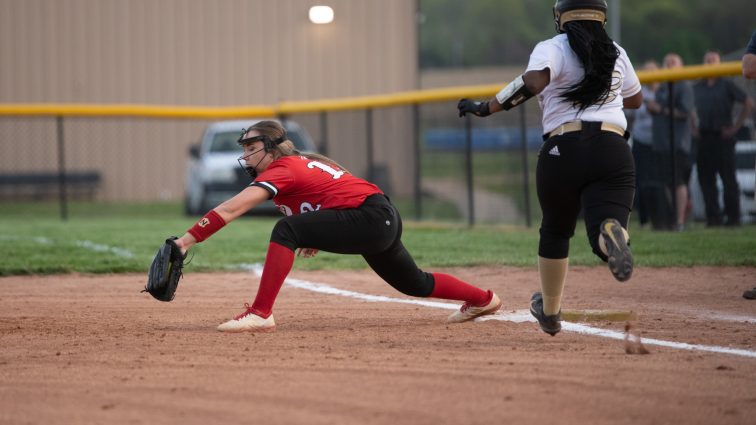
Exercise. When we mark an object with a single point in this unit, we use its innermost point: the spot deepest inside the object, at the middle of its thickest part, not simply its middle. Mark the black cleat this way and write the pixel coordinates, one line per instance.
(550, 324)
(620, 258)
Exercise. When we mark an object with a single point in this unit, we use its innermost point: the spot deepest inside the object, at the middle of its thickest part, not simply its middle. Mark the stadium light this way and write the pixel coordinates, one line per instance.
(321, 14)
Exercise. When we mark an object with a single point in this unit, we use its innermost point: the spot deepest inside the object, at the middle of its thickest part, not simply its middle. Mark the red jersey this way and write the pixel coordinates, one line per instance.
(298, 184)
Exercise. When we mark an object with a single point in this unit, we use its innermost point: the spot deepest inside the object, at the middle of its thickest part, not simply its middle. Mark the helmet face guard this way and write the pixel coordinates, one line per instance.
(242, 160)
(268, 145)
(578, 10)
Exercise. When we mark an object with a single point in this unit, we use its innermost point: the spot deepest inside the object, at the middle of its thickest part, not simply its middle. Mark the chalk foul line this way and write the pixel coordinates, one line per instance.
(518, 316)
(92, 246)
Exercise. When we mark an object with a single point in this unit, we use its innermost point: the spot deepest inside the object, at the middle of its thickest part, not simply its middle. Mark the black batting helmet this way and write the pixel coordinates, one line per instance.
(578, 10)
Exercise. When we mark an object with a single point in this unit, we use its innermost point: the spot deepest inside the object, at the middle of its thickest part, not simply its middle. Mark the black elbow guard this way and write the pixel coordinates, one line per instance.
(513, 94)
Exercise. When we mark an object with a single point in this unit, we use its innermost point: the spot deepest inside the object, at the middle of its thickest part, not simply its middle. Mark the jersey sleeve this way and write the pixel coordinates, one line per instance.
(275, 179)
(630, 83)
(546, 54)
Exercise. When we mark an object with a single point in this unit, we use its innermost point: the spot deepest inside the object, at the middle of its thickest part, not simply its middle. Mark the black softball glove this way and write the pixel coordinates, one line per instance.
(466, 106)
(165, 271)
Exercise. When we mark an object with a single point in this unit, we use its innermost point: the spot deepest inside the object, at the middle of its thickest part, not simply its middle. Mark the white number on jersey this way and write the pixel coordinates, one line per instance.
(285, 210)
(307, 207)
(327, 168)
(614, 88)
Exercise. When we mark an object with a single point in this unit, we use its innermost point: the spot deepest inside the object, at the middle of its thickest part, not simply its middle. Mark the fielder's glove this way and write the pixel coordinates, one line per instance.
(165, 271)
(468, 106)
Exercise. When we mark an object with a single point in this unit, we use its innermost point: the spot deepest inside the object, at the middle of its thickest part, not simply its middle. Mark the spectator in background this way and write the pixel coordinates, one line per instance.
(663, 118)
(715, 99)
(749, 71)
(642, 136)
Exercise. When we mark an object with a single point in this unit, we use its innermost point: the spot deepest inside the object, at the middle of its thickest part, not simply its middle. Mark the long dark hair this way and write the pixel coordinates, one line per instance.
(597, 53)
(275, 131)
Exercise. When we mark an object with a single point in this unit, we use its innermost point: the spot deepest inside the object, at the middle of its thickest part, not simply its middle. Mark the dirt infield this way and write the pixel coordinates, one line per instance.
(91, 349)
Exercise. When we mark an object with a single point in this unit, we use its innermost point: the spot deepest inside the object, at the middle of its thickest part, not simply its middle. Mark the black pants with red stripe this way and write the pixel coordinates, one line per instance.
(590, 169)
(373, 230)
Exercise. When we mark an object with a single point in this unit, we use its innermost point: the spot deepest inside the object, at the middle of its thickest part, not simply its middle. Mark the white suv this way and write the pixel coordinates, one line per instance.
(213, 175)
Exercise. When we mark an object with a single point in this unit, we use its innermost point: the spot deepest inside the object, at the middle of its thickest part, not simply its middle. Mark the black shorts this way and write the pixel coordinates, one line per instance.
(590, 169)
(683, 168)
(373, 230)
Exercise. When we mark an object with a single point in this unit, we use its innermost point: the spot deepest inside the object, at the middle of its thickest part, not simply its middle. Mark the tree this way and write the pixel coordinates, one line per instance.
(504, 32)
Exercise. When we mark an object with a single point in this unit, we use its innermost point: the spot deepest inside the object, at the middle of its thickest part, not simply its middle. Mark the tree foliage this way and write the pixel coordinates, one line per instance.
(457, 33)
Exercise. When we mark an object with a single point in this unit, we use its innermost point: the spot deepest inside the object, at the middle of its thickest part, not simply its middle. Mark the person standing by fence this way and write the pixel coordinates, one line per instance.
(749, 72)
(582, 79)
(715, 99)
(643, 147)
(678, 116)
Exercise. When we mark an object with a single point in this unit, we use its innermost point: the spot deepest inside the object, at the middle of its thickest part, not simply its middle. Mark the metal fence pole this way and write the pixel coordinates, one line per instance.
(525, 170)
(369, 149)
(62, 169)
(469, 170)
(324, 133)
(672, 153)
(417, 188)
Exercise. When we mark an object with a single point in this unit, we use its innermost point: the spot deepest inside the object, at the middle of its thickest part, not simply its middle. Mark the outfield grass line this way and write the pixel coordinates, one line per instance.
(38, 239)
(92, 246)
(119, 252)
(518, 316)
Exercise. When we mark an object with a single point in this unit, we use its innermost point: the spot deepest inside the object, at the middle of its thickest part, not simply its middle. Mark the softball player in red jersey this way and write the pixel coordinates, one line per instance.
(583, 80)
(328, 209)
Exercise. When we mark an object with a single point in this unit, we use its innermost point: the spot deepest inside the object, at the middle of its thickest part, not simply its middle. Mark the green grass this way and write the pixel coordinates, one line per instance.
(34, 240)
(494, 171)
(432, 209)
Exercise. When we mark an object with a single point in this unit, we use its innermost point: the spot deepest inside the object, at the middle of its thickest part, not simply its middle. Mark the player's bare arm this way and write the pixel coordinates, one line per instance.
(228, 211)
(528, 84)
(633, 102)
(513, 94)
(749, 66)
(244, 201)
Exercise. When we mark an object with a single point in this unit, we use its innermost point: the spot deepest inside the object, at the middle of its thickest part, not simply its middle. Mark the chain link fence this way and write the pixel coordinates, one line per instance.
(434, 165)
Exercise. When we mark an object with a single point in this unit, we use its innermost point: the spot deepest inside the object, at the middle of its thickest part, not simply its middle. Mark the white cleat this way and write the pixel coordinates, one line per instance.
(468, 312)
(248, 322)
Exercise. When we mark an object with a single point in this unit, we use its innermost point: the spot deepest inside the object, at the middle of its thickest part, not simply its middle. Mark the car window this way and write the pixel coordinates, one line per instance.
(225, 142)
(745, 160)
(298, 141)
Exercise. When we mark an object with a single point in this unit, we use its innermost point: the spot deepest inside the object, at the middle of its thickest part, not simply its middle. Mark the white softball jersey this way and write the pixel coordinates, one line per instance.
(566, 70)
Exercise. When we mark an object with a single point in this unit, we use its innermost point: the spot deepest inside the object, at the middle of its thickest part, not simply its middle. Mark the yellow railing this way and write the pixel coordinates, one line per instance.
(151, 111)
(326, 105)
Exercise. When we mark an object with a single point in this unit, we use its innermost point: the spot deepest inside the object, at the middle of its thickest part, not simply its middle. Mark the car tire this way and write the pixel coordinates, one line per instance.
(201, 206)
(187, 208)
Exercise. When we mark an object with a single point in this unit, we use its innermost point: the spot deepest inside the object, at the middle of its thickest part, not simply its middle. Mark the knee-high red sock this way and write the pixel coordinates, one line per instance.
(450, 288)
(278, 262)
